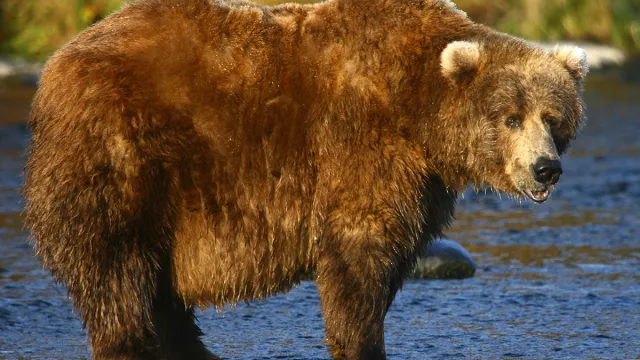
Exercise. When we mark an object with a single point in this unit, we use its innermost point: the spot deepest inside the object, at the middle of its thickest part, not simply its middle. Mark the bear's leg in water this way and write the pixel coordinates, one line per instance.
(174, 324)
(357, 282)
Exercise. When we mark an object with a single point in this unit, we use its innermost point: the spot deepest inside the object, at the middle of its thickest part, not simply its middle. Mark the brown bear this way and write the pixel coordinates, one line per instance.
(198, 152)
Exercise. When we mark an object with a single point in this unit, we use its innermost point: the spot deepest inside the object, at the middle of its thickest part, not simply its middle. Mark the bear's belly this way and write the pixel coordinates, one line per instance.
(215, 263)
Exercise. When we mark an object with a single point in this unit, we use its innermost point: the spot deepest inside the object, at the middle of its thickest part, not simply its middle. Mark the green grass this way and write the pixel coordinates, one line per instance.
(35, 28)
(612, 22)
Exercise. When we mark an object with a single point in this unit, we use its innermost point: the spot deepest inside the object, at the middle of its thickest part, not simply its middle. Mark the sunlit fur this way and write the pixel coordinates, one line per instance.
(188, 152)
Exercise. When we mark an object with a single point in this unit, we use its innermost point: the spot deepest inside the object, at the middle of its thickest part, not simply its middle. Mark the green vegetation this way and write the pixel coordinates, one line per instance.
(612, 22)
(35, 28)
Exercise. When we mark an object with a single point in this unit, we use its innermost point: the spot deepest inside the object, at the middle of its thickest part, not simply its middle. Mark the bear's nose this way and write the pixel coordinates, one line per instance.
(547, 171)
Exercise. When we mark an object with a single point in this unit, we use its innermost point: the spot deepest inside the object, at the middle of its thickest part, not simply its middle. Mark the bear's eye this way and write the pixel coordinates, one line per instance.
(513, 122)
(551, 120)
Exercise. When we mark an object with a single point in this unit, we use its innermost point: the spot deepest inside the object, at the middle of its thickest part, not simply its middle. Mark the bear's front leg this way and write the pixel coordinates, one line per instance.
(359, 271)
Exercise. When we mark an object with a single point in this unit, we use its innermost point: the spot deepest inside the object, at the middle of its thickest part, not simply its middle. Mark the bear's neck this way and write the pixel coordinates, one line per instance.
(387, 53)
(447, 150)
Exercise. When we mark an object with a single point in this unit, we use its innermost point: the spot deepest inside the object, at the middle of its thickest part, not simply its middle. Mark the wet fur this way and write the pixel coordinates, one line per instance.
(194, 153)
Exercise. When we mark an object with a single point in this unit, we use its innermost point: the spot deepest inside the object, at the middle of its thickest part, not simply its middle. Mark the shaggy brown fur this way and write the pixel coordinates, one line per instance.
(195, 152)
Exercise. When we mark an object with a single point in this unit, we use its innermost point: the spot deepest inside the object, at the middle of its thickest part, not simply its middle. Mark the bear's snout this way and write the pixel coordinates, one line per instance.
(547, 171)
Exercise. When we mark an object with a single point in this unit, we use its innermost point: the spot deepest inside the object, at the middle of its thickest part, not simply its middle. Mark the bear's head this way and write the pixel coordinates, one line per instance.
(520, 106)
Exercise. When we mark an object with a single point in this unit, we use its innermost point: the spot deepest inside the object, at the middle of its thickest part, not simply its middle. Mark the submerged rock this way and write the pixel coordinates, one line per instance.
(445, 259)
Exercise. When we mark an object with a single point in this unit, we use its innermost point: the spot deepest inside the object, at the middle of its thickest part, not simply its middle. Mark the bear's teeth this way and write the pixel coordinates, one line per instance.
(541, 194)
(538, 195)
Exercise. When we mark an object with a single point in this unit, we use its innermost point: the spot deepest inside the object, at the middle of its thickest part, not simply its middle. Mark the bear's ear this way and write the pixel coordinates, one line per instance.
(460, 61)
(574, 60)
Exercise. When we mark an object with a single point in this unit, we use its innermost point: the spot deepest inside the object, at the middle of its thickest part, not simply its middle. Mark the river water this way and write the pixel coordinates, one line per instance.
(559, 280)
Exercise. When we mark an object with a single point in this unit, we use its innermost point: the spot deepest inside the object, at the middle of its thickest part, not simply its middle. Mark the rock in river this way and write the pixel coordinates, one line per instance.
(445, 259)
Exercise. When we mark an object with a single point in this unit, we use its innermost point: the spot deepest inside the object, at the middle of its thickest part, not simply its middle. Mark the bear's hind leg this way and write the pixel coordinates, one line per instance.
(104, 233)
(147, 320)
(115, 298)
(174, 323)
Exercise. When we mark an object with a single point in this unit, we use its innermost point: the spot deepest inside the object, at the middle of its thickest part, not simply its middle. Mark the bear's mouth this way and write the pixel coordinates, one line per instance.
(538, 196)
